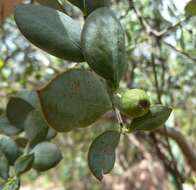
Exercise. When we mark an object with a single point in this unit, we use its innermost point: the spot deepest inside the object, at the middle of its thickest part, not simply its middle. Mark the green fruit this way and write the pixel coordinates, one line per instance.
(87, 6)
(155, 118)
(103, 45)
(46, 156)
(9, 148)
(135, 103)
(50, 30)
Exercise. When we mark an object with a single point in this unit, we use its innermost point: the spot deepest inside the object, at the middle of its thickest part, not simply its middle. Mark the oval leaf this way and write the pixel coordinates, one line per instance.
(4, 166)
(46, 156)
(6, 128)
(103, 45)
(154, 119)
(73, 99)
(9, 148)
(36, 128)
(50, 30)
(191, 8)
(23, 164)
(29, 96)
(101, 155)
(17, 111)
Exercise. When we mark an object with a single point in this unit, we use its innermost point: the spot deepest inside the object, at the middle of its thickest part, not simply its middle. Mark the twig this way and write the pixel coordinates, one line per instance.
(179, 51)
(176, 172)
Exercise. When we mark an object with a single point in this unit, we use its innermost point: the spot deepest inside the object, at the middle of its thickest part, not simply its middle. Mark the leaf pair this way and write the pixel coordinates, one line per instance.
(23, 112)
(102, 40)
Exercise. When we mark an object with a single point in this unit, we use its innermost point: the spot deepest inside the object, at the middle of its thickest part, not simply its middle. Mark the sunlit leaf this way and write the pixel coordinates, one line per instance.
(191, 8)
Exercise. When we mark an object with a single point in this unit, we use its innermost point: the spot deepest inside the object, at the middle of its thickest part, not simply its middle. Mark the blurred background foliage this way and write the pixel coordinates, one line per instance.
(161, 52)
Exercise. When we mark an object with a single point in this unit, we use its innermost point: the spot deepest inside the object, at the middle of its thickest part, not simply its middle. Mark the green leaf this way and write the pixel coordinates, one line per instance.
(24, 164)
(50, 30)
(36, 128)
(101, 155)
(154, 119)
(6, 128)
(17, 111)
(12, 184)
(74, 99)
(9, 148)
(191, 8)
(21, 141)
(2, 63)
(87, 6)
(55, 4)
(51, 134)
(4, 166)
(103, 45)
(46, 156)
(29, 96)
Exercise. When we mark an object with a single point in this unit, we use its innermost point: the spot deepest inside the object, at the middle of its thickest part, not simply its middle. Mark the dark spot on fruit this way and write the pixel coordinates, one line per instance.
(144, 104)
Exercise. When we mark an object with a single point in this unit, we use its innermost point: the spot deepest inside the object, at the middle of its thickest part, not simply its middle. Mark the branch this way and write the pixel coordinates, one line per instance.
(179, 51)
(187, 149)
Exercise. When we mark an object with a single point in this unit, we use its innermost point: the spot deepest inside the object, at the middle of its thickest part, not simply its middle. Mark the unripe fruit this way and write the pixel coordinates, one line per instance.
(135, 103)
